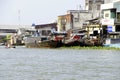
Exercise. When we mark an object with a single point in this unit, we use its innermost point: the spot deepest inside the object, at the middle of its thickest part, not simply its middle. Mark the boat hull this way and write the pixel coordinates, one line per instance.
(36, 42)
(90, 42)
(47, 44)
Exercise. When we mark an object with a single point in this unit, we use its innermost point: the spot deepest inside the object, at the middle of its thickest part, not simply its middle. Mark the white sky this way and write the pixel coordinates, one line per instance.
(35, 11)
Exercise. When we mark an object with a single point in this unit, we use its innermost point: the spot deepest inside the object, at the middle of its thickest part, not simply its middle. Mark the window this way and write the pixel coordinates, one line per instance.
(113, 13)
(44, 32)
(95, 33)
(64, 21)
(98, 7)
(76, 19)
(48, 32)
(118, 17)
(90, 7)
(107, 15)
(117, 28)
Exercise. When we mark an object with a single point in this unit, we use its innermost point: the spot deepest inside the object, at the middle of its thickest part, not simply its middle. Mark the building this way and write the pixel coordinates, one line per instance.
(111, 19)
(110, 1)
(79, 17)
(65, 22)
(94, 7)
(45, 29)
(74, 19)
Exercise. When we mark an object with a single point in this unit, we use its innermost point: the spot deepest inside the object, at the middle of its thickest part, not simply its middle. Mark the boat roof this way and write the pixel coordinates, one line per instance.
(59, 33)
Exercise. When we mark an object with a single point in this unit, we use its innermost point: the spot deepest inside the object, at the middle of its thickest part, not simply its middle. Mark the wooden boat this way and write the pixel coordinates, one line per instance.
(90, 42)
(73, 40)
(52, 41)
(45, 43)
(50, 44)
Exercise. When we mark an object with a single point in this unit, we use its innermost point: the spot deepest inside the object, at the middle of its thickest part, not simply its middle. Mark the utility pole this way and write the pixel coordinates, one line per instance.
(80, 17)
(19, 17)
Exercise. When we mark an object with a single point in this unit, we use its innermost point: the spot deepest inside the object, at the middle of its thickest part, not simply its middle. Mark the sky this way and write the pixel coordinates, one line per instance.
(27, 12)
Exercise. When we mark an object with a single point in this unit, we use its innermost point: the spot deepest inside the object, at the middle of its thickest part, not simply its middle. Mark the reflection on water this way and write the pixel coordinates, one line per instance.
(58, 64)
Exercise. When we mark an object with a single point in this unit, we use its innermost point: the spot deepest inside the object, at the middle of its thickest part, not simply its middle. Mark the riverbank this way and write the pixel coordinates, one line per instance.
(91, 48)
(81, 48)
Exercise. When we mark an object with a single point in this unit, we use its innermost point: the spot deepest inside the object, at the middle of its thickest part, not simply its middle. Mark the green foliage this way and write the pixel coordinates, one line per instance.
(8, 37)
(5, 39)
(91, 48)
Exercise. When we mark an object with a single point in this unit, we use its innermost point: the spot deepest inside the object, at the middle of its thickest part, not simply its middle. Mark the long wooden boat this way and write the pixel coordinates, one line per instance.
(45, 43)
(52, 41)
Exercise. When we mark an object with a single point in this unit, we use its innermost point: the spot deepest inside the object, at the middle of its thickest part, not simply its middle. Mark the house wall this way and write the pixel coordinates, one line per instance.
(117, 5)
(107, 6)
(65, 22)
(79, 17)
(106, 14)
(45, 29)
(111, 5)
(94, 7)
(108, 1)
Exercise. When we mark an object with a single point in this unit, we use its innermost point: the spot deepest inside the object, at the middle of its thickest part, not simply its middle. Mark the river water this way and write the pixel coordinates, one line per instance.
(59, 64)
